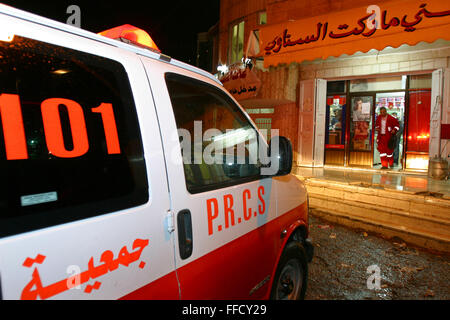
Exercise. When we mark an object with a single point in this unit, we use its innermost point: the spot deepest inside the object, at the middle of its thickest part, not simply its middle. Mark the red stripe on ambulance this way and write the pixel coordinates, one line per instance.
(266, 246)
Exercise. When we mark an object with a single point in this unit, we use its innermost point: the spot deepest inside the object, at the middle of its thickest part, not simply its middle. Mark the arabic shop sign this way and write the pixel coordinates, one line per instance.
(362, 29)
(241, 82)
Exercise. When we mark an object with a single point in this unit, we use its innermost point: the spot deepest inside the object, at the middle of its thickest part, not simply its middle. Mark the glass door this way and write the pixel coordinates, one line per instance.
(335, 130)
(361, 128)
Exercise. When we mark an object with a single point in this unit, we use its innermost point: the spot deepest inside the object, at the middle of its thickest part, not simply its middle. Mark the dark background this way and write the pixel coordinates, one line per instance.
(172, 24)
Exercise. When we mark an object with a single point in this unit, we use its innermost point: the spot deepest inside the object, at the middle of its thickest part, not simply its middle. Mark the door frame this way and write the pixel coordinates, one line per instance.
(349, 120)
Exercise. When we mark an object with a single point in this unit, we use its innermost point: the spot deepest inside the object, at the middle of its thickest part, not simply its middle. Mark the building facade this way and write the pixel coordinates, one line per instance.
(325, 68)
(207, 49)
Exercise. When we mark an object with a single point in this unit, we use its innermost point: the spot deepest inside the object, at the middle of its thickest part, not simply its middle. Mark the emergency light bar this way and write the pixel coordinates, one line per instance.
(131, 34)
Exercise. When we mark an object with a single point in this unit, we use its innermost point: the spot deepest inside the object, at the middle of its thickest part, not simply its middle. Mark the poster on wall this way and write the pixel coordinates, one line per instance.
(361, 116)
(366, 109)
(361, 110)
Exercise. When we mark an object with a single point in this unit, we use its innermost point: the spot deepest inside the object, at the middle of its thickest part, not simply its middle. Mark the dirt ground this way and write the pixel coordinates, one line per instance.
(356, 265)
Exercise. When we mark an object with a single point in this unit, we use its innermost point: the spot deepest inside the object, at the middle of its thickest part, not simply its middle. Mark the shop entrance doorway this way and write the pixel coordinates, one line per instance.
(361, 130)
(394, 102)
(352, 107)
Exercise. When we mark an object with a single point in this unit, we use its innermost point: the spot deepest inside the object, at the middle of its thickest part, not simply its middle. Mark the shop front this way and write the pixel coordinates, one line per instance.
(395, 56)
(352, 107)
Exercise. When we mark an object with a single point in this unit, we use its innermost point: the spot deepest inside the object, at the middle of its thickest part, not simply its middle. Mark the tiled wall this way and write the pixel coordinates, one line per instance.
(424, 60)
(279, 83)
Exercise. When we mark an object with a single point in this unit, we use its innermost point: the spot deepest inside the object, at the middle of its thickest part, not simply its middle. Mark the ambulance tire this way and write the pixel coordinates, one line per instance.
(290, 280)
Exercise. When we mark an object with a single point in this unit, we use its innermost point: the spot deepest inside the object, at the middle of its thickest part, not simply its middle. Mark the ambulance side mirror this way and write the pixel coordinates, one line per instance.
(280, 153)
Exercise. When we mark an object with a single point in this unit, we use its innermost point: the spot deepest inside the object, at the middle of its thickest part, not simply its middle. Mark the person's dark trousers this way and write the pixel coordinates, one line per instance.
(396, 151)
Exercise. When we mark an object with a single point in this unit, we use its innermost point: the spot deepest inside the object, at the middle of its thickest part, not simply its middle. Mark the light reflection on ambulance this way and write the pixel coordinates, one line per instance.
(100, 201)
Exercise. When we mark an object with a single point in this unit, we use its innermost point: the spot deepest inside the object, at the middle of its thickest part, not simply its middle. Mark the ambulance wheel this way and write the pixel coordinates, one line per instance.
(291, 275)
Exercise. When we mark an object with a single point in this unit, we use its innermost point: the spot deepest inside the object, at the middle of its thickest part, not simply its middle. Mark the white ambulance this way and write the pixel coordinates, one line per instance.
(100, 201)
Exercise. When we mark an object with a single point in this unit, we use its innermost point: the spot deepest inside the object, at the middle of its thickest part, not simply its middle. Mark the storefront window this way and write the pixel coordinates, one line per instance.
(361, 123)
(335, 87)
(418, 135)
(378, 84)
(421, 81)
(335, 119)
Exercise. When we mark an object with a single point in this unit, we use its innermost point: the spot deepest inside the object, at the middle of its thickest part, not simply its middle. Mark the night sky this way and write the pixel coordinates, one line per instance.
(172, 24)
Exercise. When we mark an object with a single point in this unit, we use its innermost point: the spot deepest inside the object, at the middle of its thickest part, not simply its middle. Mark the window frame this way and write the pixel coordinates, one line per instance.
(238, 109)
(232, 54)
(45, 215)
(262, 18)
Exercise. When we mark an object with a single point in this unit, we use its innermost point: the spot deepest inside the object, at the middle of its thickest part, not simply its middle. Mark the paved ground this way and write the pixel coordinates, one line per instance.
(339, 269)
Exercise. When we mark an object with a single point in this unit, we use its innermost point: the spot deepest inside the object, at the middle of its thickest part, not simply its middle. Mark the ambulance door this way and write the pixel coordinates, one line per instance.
(224, 211)
(84, 192)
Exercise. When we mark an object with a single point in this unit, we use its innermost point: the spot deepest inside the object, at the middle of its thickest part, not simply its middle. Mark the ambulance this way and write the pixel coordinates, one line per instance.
(102, 199)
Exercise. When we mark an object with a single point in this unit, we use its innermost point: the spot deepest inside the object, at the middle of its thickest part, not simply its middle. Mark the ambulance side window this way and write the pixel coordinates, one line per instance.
(70, 145)
(219, 145)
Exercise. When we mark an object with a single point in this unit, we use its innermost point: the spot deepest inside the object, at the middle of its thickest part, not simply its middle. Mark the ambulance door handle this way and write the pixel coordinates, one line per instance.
(185, 241)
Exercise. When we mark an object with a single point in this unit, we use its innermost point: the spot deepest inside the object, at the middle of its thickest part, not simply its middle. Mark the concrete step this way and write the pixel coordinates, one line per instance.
(381, 214)
(406, 201)
(420, 219)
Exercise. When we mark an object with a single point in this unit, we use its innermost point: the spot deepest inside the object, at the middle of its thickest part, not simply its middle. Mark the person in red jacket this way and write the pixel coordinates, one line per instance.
(386, 126)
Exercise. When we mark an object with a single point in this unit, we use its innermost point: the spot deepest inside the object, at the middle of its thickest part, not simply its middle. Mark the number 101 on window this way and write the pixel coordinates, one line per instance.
(14, 133)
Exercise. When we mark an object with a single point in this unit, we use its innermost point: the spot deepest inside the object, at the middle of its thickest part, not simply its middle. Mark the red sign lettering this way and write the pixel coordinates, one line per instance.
(228, 207)
(53, 129)
(14, 133)
(229, 213)
(247, 212)
(262, 206)
(212, 215)
(109, 125)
